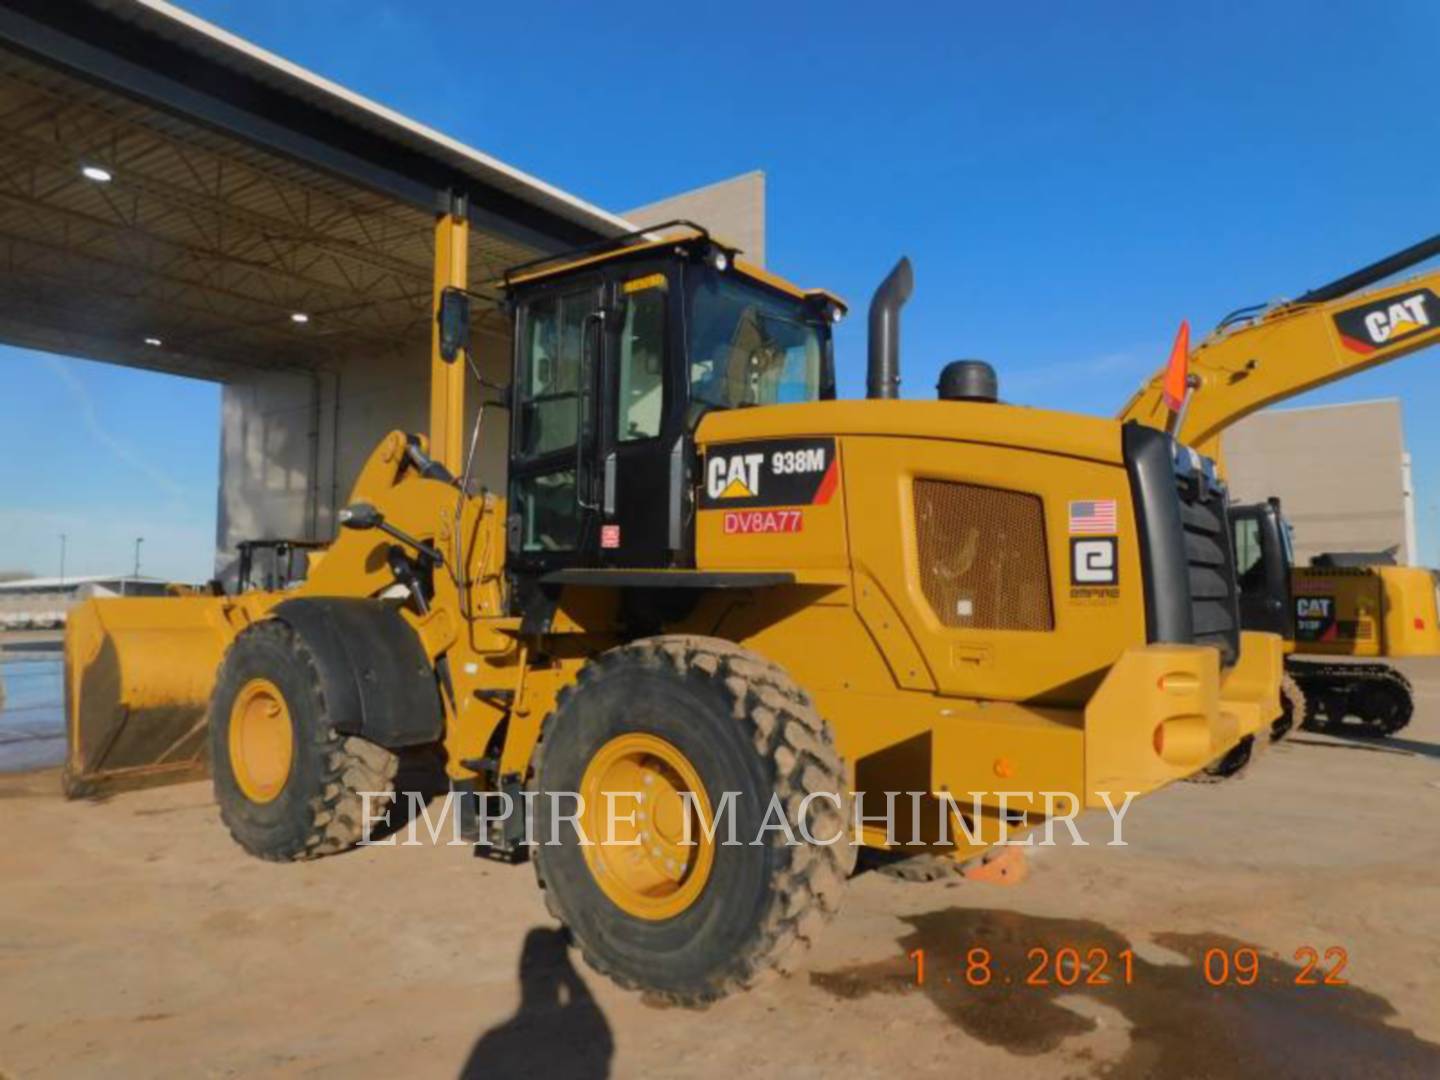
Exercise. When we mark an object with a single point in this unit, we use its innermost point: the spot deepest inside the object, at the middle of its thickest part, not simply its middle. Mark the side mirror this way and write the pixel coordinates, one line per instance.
(361, 516)
(454, 319)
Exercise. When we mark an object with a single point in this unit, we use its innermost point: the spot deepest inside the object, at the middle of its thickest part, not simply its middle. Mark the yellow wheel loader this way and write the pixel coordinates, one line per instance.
(715, 603)
(1262, 355)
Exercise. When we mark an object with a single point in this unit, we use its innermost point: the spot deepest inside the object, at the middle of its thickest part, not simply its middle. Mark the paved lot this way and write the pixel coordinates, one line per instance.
(135, 939)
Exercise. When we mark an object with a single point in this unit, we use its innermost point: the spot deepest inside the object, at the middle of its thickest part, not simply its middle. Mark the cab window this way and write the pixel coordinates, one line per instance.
(550, 372)
(1249, 554)
(642, 366)
(750, 347)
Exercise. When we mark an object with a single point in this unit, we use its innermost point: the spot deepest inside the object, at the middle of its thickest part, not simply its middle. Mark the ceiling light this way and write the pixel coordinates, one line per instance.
(154, 342)
(96, 173)
(299, 317)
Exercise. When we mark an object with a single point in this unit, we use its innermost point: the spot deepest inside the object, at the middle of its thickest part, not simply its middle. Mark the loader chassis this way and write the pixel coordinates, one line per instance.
(709, 576)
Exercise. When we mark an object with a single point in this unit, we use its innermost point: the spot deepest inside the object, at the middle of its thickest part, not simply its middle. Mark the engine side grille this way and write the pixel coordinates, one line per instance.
(1210, 561)
(983, 557)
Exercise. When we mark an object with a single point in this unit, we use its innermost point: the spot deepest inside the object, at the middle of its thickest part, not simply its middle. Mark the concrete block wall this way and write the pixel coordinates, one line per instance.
(733, 210)
(1339, 470)
(292, 443)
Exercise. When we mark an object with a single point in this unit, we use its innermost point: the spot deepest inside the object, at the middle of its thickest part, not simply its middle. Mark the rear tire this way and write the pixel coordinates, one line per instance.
(736, 723)
(315, 806)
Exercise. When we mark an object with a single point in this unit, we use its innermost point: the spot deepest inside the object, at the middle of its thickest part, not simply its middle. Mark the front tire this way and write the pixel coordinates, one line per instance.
(289, 785)
(681, 713)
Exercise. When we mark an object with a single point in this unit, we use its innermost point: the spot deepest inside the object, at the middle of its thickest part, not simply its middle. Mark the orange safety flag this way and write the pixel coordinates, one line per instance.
(1177, 371)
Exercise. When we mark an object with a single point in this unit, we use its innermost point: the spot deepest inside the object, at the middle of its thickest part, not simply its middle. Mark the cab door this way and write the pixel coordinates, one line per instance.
(554, 468)
(643, 445)
(1262, 570)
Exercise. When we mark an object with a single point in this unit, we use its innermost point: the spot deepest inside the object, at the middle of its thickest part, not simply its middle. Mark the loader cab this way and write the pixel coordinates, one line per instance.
(1263, 558)
(618, 356)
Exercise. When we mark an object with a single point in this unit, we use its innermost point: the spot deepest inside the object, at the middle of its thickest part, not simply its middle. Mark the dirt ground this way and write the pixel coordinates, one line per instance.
(136, 939)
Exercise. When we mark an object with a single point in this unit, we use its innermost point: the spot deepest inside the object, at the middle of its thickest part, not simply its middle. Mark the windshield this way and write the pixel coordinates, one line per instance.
(749, 346)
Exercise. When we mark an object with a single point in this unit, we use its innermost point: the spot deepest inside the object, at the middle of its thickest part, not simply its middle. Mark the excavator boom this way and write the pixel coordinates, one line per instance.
(1257, 357)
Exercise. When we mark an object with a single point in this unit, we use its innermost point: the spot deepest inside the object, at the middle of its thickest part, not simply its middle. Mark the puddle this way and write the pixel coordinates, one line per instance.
(1180, 1025)
(32, 714)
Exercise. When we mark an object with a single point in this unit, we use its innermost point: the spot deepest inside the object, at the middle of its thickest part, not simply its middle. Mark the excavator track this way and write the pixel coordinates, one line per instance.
(1371, 698)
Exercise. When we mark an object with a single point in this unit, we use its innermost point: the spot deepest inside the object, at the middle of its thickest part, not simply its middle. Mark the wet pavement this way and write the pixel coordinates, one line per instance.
(32, 711)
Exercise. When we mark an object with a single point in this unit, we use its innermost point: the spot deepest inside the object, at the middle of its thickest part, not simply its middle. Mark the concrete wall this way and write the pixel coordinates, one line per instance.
(733, 210)
(1339, 470)
(292, 444)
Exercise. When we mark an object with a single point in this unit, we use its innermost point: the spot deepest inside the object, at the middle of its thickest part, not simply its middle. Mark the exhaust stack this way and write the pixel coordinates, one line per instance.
(882, 378)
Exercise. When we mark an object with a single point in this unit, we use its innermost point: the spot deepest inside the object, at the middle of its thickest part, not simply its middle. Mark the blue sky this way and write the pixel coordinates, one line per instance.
(1070, 180)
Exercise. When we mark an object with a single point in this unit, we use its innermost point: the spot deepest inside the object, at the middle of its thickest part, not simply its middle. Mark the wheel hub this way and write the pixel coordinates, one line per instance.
(656, 865)
(262, 741)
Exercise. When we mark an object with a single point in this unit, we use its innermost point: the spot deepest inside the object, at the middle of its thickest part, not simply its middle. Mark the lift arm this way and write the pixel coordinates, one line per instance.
(1254, 360)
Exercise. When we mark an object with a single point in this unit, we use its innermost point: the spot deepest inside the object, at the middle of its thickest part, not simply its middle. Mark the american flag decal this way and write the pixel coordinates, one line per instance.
(1093, 516)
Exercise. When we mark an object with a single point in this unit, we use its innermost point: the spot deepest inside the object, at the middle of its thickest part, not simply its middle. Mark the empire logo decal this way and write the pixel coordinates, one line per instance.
(775, 472)
(1094, 568)
(1380, 323)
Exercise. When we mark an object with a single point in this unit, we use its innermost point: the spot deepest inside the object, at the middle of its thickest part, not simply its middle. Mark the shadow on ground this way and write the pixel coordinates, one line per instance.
(1178, 1024)
(558, 1030)
(1392, 744)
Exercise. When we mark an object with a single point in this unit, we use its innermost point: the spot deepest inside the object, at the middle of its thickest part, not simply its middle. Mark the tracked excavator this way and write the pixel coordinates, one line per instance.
(1265, 354)
(711, 589)
(1322, 610)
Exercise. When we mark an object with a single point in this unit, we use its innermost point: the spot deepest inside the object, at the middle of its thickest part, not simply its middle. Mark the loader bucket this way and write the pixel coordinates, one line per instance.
(138, 675)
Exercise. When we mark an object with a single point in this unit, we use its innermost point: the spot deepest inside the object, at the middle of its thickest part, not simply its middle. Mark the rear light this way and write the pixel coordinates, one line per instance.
(1158, 739)
(1419, 624)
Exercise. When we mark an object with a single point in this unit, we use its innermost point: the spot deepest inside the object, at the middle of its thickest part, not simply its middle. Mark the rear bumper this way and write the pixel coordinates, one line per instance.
(1164, 711)
(1250, 690)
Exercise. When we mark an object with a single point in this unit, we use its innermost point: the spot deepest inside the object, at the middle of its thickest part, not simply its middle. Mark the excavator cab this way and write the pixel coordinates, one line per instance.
(1263, 558)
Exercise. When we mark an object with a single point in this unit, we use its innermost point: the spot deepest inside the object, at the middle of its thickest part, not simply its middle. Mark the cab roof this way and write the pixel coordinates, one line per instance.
(622, 247)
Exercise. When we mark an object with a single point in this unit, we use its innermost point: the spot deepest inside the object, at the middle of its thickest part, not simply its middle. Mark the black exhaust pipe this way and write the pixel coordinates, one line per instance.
(882, 378)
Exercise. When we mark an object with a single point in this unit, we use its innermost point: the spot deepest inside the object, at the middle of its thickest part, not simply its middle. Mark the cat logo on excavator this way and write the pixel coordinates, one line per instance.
(1363, 329)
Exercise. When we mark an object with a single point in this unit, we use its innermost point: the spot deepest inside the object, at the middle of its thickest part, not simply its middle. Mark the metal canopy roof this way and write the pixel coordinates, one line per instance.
(243, 190)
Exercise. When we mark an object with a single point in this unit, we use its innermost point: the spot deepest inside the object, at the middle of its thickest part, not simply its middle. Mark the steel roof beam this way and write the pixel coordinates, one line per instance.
(100, 48)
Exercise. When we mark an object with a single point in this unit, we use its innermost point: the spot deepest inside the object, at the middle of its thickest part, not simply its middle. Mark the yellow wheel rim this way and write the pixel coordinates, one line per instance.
(262, 742)
(645, 866)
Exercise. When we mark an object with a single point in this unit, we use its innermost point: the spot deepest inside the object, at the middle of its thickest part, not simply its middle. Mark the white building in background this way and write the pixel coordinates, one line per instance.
(1341, 472)
(42, 603)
